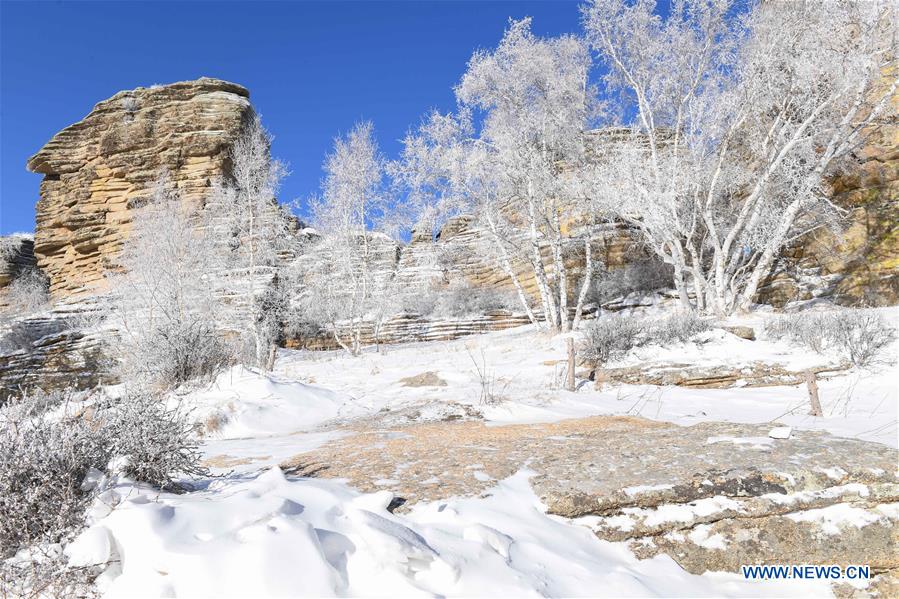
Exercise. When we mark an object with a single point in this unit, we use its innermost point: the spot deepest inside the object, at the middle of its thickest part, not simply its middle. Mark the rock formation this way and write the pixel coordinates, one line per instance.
(97, 170)
(713, 496)
(96, 173)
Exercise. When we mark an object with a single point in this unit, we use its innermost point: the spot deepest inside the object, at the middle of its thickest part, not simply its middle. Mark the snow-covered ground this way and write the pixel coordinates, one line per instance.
(270, 536)
(254, 532)
(528, 368)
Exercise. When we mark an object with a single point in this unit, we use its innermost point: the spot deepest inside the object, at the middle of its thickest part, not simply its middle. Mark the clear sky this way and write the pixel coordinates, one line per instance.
(313, 68)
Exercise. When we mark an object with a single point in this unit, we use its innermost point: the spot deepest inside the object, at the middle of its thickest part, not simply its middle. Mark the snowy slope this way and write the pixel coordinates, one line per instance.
(271, 536)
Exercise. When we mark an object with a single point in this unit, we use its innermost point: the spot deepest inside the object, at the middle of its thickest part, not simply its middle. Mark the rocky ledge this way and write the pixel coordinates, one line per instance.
(713, 496)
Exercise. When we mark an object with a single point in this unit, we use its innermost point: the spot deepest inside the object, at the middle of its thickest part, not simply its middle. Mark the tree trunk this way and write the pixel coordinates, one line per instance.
(585, 284)
(270, 362)
(506, 265)
(562, 284)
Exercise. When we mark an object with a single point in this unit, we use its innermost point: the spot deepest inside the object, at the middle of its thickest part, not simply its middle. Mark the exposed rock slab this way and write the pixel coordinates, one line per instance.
(714, 496)
(753, 374)
(55, 350)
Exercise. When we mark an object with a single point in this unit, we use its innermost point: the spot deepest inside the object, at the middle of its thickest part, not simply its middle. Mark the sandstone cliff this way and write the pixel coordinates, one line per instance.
(96, 173)
(97, 170)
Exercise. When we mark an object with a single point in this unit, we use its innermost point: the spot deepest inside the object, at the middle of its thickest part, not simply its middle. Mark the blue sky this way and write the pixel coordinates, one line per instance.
(313, 68)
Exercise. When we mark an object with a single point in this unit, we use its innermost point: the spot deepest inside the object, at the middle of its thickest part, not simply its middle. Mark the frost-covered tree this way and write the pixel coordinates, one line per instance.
(738, 119)
(27, 293)
(164, 306)
(446, 171)
(532, 103)
(346, 283)
(252, 230)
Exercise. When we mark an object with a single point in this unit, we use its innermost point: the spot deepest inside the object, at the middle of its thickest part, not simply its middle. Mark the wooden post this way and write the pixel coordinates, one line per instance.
(811, 382)
(571, 364)
(599, 377)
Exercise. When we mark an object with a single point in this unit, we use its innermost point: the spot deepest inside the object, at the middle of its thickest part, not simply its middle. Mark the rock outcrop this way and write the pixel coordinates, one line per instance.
(713, 496)
(97, 170)
(58, 349)
(406, 328)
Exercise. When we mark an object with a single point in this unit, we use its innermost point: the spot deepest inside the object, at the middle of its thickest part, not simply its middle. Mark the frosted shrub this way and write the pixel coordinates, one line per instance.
(423, 303)
(44, 460)
(802, 329)
(610, 338)
(174, 351)
(156, 441)
(677, 328)
(459, 301)
(42, 466)
(28, 292)
(465, 301)
(859, 336)
(862, 335)
(130, 105)
(641, 277)
(44, 572)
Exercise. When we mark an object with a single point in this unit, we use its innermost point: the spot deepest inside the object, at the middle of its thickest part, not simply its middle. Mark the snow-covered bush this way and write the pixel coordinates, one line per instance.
(859, 336)
(679, 327)
(43, 571)
(459, 301)
(130, 105)
(42, 466)
(463, 301)
(640, 277)
(421, 302)
(804, 329)
(45, 458)
(174, 352)
(862, 335)
(27, 293)
(611, 338)
(155, 442)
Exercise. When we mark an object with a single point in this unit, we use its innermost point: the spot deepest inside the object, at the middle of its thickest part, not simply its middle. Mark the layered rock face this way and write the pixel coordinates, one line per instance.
(97, 170)
(96, 173)
(464, 251)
